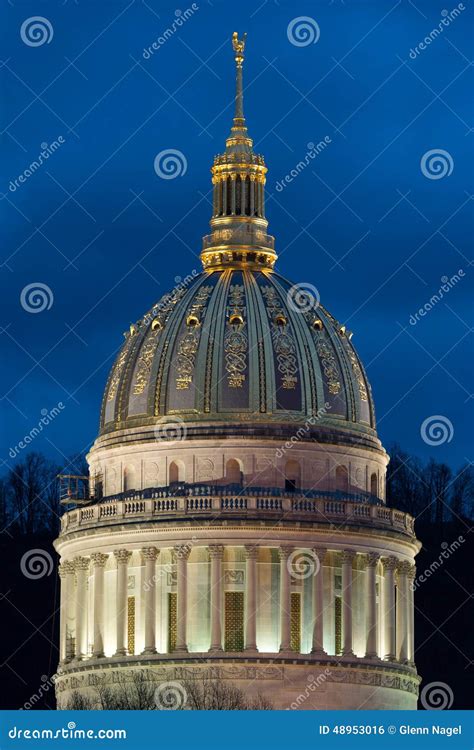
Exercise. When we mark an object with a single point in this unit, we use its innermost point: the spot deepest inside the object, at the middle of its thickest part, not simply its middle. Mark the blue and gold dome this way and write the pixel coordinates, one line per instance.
(239, 348)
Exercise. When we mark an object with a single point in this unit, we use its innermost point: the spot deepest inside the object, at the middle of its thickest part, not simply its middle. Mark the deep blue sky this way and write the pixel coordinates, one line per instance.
(362, 223)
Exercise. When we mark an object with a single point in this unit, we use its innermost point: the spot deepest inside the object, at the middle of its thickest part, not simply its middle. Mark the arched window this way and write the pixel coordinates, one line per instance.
(229, 196)
(238, 195)
(176, 472)
(233, 474)
(129, 478)
(247, 196)
(342, 479)
(374, 485)
(292, 476)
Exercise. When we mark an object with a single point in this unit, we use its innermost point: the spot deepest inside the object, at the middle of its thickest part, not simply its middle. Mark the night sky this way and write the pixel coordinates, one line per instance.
(369, 222)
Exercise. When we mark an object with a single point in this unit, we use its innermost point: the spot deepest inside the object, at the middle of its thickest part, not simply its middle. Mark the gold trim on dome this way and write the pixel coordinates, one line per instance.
(358, 374)
(118, 369)
(235, 339)
(283, 342)
(189, 343)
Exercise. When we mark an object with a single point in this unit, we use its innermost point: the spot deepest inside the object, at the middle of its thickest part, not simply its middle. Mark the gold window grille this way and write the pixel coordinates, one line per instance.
(172, 620)
(295, 622)
(338, 624)
(131, 624)
(234, 621)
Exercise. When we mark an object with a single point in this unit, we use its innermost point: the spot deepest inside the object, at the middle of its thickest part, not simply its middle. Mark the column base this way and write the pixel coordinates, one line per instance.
(121, 652)
(318, 652)
(216, 650)
(181, 650)
(98, 655)
(389, 657)
(149, 651)
(251, 650)
(285, 650)
(371, 656)
(349, 653)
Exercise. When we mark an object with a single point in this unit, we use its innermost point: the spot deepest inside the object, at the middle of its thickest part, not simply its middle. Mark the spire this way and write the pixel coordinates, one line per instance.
(239, 47)
(238, 222)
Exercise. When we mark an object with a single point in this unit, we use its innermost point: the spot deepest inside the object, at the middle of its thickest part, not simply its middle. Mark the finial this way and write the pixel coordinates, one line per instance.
(239, 46)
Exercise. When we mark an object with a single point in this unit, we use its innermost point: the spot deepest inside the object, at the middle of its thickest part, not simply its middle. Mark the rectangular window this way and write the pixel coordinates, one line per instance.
(338, 624)
(295, 622)
(131, 624)
(172, 620)
(234, 621)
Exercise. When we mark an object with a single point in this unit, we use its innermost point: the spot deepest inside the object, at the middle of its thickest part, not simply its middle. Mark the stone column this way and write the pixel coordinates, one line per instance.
(122, 557)
(411, 614)
(252, 194)
(389, 565)
(233, 183)
(403, 569)
(371, 599)
(251, 555)
(149, 555)
(81, 566)
(285, 599)
(318, 603)
(347, 558)
(98, 565)
(243, 193)
(182, 553)
(66, 574)
(216, 553)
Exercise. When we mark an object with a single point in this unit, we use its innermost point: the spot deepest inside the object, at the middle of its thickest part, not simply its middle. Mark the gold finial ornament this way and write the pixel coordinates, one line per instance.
(239, 47)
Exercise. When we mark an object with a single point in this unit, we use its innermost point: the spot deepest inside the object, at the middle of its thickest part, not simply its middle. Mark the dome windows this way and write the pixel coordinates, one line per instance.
(280, 320)
(317, 324)
(156, 324)
(236, 319)
(192, 321)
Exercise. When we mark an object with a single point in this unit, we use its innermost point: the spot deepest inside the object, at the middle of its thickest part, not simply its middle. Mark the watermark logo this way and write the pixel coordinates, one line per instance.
(447, 17)
(448, 549)
(303, 298)
(436, 164)
(314, 149)
(47, 416)
(36, 31)
(170, 163)
(437, 696)
(303, 31)
(446, 286)
(313, 684)
(437, 430)
(303, 564)
(47, 150)
(36, 297)
(170, 696)
(180, 19)
(36, 563)
(171, 430)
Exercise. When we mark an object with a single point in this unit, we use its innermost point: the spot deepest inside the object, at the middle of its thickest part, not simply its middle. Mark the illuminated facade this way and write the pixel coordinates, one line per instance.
(236, 517)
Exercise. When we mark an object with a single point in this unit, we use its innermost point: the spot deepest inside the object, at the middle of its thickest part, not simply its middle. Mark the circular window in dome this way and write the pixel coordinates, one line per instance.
(236, 320)
(192, 321)
(280, 321)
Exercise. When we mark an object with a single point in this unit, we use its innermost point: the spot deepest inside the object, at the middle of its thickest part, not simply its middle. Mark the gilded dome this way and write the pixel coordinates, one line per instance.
(238, 346)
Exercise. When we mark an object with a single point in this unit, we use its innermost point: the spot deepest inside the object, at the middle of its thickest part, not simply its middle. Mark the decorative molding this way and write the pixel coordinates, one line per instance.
(122, 556)
(234, 576)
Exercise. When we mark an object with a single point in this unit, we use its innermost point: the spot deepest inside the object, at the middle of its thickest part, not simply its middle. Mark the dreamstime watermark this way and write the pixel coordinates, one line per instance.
(302, 564)
(47, 683)
(303, 31)
(36, 297)
(48, 415)
(437, 696)
(446, 286)
(436, 164)
(179, 553)
(170, 696)
(171, 429)
(180, 19)
(436, 430)
(314, 149)
(170, 163)
(303, 298)
(36, 563)
(447, 17)
(313, 684)
(181, 285)
(36, 31)
(47, 150)
(447, 551)
(302, 431)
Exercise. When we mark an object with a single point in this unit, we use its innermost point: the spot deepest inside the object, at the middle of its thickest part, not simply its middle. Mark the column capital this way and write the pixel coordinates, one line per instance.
(347, 556)
(251, 551)
(372, 559)
(403, 568)
(320, 553)
(81, 563)
(216, 551)
(389, 563)
(149, 553)
(284, 552)
(99, 559)
(122, 556)
(412, 572)
(66, 567)
(182, 551)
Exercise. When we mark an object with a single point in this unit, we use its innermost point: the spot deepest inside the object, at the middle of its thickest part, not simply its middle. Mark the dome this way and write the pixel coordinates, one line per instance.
(242, 348)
